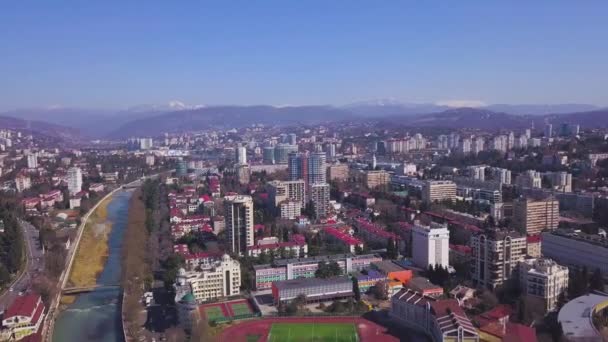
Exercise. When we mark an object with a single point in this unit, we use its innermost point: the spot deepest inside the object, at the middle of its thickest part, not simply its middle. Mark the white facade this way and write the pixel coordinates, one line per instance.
(438, 190)
(241, 155)
(32, 161)
(74, 180)
(560, 181)
(529, 179)
(431, 245)
(290, 210)
(22, 183)
(503, 176)
(219, 279)
(543, 278)
(495, 256)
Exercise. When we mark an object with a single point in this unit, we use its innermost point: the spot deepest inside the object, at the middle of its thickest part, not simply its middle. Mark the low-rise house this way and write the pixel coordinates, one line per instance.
(23, 317)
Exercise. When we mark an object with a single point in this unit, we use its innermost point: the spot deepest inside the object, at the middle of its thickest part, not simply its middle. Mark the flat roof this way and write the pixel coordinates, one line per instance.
(310, 282)
(576, 316)
(387, 266)
(316, 259)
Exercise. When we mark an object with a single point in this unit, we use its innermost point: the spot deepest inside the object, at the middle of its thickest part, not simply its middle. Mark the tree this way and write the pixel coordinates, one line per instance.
(356, 289)
(391, 249)
(596, 282)
(358, 250)
(381, 290)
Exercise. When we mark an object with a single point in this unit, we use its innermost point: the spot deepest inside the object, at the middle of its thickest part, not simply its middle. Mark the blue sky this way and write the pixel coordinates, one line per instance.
(115, 54)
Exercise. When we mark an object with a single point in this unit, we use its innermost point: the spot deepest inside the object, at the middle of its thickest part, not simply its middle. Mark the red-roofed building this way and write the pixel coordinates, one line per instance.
(374, 233)
(494, 325)
(296, 247)
(460, 252)
(202, 259)
(336, 236)
(30, 203)
(181, 249)
(442, 320)
(23, 317)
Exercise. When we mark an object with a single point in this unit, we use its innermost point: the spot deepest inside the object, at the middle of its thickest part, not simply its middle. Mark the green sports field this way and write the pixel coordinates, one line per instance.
(313, 332)
(240, 309)
(214, 313)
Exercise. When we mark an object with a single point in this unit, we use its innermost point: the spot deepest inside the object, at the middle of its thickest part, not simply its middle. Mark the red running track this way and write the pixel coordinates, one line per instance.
(368, 331)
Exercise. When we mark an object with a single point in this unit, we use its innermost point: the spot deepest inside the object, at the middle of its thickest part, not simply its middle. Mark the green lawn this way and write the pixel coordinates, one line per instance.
(213, 313)
(240, 309)
(313, 332)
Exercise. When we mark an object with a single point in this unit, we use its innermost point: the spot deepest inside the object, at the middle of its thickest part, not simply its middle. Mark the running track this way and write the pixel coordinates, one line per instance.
(368, 331)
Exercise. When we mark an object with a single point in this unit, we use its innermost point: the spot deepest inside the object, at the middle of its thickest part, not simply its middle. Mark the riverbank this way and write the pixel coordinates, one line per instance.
(95, 316)
(93, 248)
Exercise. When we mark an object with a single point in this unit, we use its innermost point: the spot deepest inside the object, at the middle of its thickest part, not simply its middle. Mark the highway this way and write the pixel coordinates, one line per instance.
(34, 264)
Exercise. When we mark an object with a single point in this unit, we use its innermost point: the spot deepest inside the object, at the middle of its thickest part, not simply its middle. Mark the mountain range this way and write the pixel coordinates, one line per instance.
(152, 120)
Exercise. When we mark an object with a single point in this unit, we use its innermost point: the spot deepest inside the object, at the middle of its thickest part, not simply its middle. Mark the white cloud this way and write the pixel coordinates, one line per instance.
(461, 103)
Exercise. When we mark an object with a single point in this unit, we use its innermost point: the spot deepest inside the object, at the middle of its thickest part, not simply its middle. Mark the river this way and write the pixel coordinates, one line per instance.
(95, 316)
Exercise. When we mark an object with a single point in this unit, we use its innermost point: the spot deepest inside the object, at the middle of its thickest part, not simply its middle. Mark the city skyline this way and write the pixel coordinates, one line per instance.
(115, 55)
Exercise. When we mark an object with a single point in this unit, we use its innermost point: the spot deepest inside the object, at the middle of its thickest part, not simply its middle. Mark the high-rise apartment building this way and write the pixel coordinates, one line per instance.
(32, 161)
(22, 182)
(543, 279)
(560, 181)
(337, 172)
(268, 155)
(532, 216)
(297, 166)
(478, 145)
(375, 178)
(500, 175)
(282, 151)
(438, 190)
(280, 191)
(74, 180)
(317, 169)
(465, 146)
(500, 143)
(548, 130)
(495, 255)
(477, 172)
(238, 215)
(529, 179)
(240, 155)
(431, 245)
(319, 195)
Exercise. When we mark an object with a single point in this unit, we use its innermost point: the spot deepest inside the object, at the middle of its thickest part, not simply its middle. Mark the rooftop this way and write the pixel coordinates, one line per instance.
(310, 282)
(317, 259)
(576, 317)
(22, 306)
(387, 266)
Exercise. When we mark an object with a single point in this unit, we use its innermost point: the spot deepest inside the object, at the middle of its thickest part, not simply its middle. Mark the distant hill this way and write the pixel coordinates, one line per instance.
(89, 122)
(151, 120)
(40, 127)
(541, 109)
(596, 118)
(464, 118)
(229, 117)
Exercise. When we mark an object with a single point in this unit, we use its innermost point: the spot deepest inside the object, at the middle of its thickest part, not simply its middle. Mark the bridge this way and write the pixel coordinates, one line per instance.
(83, 289)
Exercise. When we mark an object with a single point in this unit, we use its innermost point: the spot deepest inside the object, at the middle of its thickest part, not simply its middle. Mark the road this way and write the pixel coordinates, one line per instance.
(34, 263)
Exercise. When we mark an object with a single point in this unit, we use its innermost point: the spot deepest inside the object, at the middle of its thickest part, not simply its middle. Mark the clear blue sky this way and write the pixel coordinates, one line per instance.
(123, 53)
